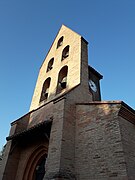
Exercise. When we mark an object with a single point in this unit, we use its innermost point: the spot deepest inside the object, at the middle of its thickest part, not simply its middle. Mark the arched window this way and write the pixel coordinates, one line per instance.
(60, 42)
(35, 167)
(62, 79)
(40, 169)
(65, 52)
(45, 89)
(50, 65)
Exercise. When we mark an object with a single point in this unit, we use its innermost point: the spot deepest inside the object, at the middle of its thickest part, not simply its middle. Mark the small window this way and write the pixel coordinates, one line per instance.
(65, 52)
(45, 90)
(50, 65)
(62, 79)
(60, 42)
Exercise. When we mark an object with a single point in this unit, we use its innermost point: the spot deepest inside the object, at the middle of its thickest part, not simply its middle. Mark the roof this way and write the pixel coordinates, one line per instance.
(95, 72)
(31, 131)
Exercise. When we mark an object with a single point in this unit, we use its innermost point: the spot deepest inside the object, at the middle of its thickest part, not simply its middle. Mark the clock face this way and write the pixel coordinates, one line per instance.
(92, 85)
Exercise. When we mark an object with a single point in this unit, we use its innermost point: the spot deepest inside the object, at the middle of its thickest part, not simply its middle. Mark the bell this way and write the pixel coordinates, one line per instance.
(45, 94)
(67, 54)
(49, 68)
(47, 90)
(64, 82)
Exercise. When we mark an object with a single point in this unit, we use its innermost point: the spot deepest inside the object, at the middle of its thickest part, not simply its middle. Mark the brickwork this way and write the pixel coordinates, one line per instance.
(17, 155)
(26, 150)
(10, 162)
(54, 153)
(42, 114)
(128, 141)
(99, 151)
(73, 61)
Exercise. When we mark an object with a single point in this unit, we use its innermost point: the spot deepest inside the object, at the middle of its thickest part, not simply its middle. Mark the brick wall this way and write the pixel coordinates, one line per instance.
(98, 151)
(73, 61)
(128, 142)
(61, 145)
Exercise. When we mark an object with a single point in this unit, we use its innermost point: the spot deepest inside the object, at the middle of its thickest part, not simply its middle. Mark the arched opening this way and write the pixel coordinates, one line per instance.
(39, 171)
(50, 65)
(35, 168)
(62, 79)
(65, 52)
(60, 42)
(45, 90)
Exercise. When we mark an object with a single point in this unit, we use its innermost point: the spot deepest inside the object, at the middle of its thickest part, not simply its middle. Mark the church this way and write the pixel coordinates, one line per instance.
(69, 132)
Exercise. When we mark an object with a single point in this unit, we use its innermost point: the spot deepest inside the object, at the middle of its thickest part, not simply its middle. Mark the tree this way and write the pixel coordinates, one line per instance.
(2, 152)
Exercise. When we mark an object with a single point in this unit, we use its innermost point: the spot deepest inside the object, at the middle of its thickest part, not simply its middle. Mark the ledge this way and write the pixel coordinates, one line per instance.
(100, 102)
(125, 111)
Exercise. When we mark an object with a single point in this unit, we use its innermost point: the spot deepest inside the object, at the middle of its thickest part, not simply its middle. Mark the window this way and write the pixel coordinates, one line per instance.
(50, 65)
(45, 89)
(65, 52)
(35, 167)
(60, 42)
(40, 169)
(62, 79)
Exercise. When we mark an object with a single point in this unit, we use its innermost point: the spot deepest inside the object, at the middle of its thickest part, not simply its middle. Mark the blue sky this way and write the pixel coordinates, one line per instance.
(27, 29)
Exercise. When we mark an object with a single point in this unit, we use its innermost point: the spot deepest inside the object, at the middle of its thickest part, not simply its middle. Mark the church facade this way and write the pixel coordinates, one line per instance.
(69, 132)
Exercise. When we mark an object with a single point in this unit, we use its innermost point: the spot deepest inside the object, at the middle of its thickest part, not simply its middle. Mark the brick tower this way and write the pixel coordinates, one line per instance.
(69, 133)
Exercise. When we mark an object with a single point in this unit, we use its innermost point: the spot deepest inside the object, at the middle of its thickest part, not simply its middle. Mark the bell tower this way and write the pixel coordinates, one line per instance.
(64, 68)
